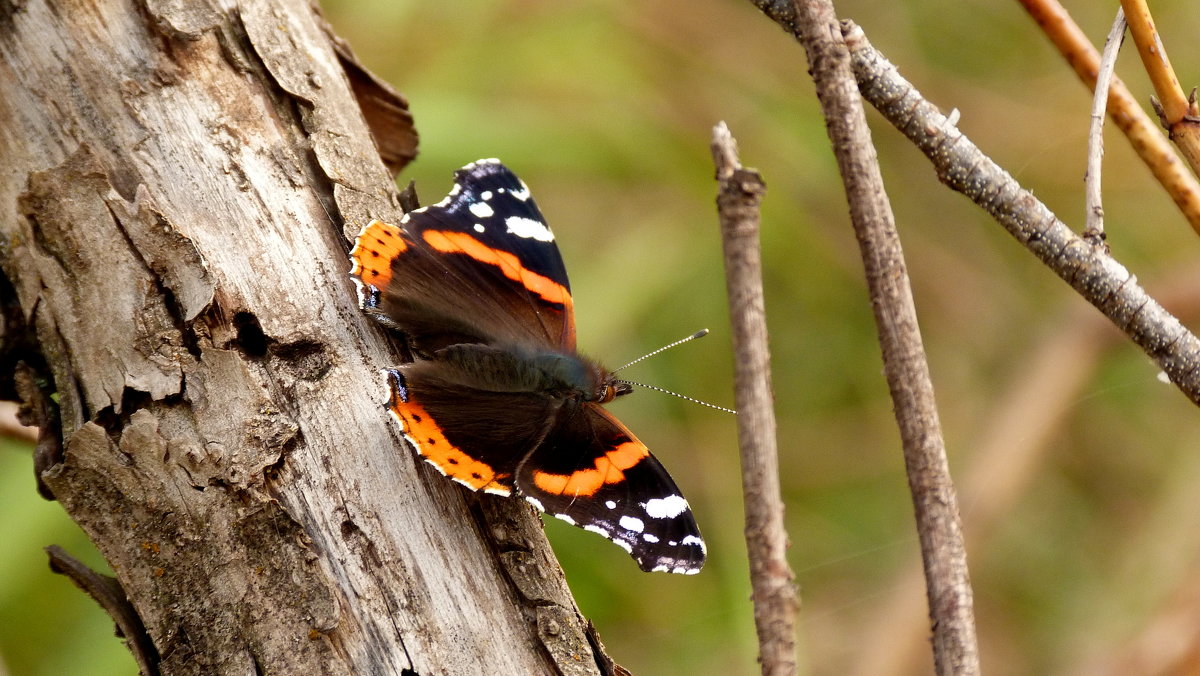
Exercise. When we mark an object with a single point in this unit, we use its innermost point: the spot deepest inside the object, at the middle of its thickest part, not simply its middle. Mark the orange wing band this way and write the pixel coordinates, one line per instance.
(608, 469)
(461, 242)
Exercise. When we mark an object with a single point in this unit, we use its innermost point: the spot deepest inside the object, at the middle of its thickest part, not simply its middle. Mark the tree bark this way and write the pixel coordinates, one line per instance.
(178, 185)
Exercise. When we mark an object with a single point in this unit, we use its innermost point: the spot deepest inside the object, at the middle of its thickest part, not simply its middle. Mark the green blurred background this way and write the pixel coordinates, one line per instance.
(1078, 470)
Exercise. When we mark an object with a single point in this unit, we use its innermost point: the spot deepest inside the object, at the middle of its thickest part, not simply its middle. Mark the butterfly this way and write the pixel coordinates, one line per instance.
(497, 398)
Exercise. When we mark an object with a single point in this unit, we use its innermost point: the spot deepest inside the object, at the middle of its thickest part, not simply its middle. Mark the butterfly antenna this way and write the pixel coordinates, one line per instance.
(699, 334)
(681, 396)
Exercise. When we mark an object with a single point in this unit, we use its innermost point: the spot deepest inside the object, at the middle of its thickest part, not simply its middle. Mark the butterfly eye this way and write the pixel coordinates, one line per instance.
(607, 393)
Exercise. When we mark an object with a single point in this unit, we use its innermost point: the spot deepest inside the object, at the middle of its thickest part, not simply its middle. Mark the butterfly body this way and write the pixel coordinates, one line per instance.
(497, 398)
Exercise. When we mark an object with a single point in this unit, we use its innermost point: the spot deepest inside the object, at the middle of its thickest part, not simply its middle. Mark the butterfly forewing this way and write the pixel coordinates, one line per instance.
(479, 266)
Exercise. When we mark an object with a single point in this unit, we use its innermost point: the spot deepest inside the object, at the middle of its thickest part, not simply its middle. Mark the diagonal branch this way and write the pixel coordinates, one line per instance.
(107, 591)
(1175, 105)
(1179, 114)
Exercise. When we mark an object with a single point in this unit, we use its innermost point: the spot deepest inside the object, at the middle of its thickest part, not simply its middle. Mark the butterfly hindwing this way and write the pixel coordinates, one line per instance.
(475, 437)
(592, 472)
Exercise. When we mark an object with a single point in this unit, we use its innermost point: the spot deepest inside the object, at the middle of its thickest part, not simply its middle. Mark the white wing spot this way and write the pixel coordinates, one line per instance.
(486, 195)
(482, 209)
(665, 508)
(596, 529)
(566, 518)
(523, 193)
(610, 504)
(536, 503)
(479, 227)
(649, 538)
(529, 228)
(486, 160)
(632, 523)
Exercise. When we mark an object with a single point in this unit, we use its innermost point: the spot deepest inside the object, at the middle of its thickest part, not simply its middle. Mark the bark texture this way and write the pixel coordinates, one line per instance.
(179, 182)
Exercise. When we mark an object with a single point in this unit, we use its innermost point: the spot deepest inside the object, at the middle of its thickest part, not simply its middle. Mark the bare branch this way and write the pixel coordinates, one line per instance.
(774, 593)
(107, 591)
(1097, 276)
(938, 526)
(1010, 453)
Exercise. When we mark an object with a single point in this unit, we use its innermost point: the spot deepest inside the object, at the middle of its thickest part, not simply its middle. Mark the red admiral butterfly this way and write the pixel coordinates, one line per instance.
(497, 398)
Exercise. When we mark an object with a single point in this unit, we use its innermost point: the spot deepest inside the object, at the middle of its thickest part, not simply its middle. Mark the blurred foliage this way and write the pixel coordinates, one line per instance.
(605, 109)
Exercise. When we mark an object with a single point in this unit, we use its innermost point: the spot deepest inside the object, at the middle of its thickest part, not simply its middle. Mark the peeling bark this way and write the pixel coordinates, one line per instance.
(179, 184)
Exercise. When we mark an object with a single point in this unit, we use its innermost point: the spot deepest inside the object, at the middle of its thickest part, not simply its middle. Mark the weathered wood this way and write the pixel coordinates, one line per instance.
(178, 184)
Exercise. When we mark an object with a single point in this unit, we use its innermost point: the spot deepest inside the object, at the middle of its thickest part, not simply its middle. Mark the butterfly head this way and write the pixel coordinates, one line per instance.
(610, 388)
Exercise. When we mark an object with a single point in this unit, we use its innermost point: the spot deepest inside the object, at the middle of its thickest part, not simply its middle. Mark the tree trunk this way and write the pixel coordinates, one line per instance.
(178, 182)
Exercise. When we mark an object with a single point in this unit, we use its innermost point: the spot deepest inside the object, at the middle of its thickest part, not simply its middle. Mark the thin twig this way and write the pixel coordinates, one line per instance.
(1097, 276)
(774, 592)
(1143, 134)
(939, 529)
(1094, 197)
